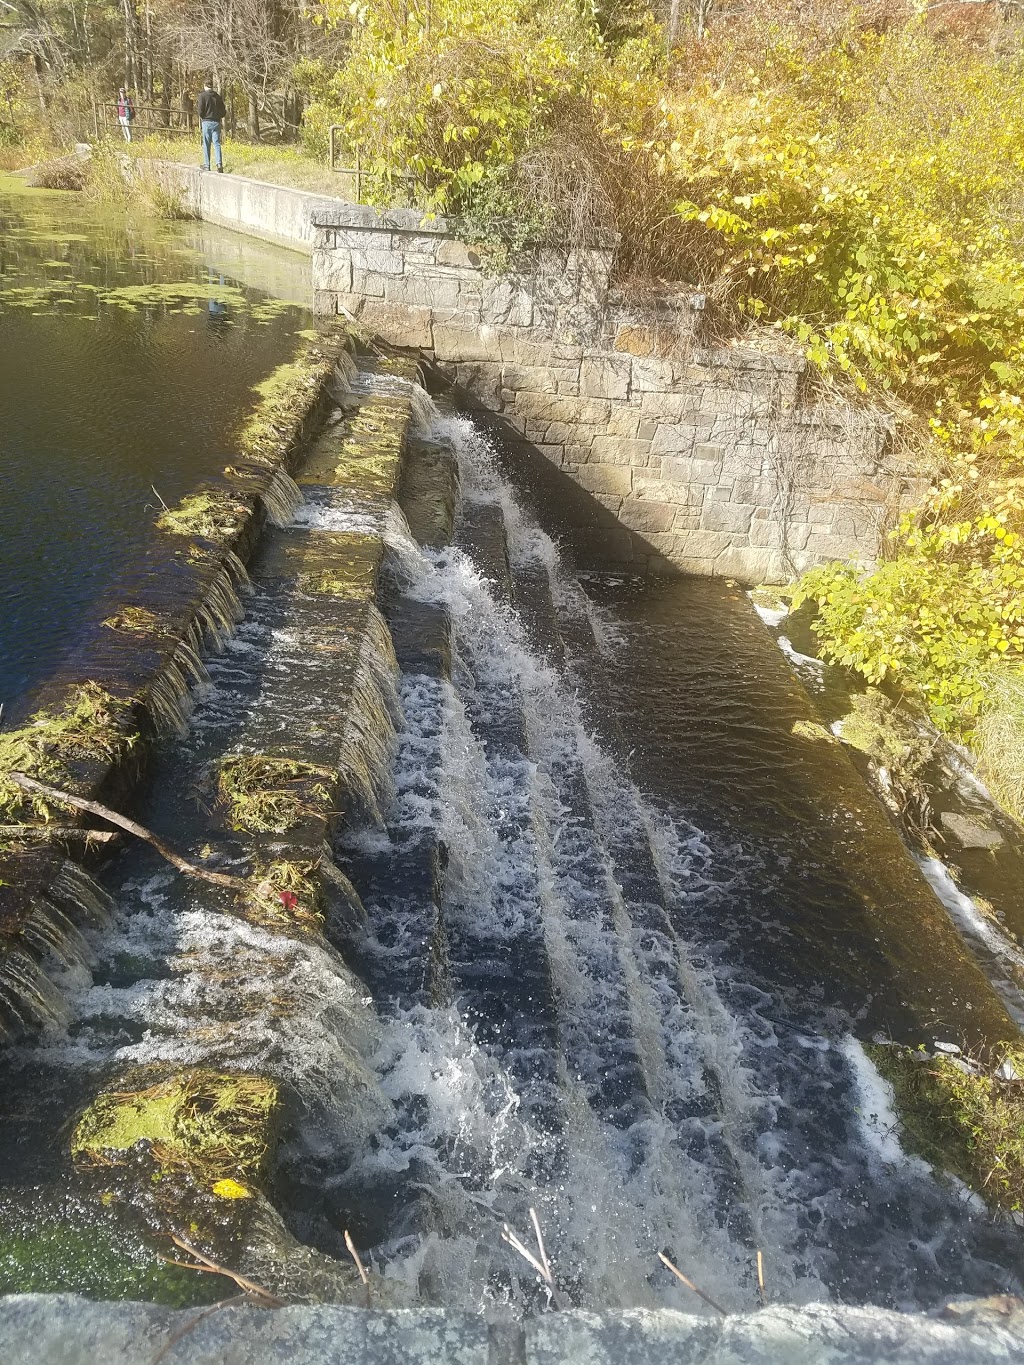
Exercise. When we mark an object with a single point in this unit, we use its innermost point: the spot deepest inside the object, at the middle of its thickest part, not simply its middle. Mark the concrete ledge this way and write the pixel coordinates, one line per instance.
(75, 1331)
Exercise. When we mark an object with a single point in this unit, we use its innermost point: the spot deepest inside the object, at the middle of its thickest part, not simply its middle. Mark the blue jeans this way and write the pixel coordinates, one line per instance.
(211, 138)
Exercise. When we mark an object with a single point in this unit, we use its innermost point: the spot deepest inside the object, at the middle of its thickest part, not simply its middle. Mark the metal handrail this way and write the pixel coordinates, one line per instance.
(359, 175)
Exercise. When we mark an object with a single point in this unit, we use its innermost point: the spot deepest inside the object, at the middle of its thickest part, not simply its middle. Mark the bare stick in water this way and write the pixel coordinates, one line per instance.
(355, 1256)
(205, 1263)
(690, 1285)
(29, 784)
(540, 1247)
(159, 498)
(760, 1278)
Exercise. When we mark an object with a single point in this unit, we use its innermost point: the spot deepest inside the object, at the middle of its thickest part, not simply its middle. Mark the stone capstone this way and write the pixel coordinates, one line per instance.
(63, 1328)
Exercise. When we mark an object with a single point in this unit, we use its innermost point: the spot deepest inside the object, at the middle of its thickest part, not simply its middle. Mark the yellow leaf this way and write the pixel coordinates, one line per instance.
(230, 1189)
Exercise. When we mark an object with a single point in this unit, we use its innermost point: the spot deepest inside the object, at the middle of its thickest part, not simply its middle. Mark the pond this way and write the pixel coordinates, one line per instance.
(128, 351)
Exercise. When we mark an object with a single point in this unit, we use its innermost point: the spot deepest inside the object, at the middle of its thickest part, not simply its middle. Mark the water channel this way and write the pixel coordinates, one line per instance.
(670, 915)
(128, 351)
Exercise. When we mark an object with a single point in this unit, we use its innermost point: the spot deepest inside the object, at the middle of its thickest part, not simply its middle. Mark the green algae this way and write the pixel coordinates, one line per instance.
(189, 297)
(88, 1251)
(213, 1125)
(209, 515)
(90, 724)
(262, 793)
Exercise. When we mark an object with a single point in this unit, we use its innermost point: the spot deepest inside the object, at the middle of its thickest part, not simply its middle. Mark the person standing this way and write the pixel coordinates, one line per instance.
(211, 110)
(125, 113)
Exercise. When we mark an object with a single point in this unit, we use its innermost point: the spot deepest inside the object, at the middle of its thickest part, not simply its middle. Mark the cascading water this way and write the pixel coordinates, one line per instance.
(565, 1047)
(544, 1006)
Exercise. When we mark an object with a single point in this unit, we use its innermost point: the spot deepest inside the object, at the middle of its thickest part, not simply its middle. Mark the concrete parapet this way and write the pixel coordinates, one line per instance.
(76, 1331)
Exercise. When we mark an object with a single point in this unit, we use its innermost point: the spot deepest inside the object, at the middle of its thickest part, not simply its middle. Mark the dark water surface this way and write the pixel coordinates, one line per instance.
(128, 351)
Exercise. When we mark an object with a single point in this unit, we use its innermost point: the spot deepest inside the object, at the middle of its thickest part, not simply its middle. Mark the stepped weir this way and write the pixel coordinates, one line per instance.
(482, 960)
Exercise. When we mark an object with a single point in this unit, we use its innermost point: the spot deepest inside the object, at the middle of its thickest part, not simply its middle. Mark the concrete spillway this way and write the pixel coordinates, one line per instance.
(483, 966)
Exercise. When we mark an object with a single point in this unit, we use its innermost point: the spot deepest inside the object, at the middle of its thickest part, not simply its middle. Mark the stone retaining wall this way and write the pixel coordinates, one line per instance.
(696, 458)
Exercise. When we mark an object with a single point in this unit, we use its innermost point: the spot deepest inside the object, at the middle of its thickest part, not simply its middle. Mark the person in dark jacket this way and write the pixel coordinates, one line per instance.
(211, 111)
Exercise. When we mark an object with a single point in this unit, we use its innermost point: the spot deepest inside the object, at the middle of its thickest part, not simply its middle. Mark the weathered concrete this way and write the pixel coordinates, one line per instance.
(718, 460)
(274, 213)
(63, 1328)
(714, 460)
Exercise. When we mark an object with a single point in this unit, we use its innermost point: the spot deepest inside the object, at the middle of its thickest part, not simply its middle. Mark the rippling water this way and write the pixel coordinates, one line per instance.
(127, 354)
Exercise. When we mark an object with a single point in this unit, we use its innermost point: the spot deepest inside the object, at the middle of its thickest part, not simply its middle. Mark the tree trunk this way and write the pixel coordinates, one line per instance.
(254, 119)
(44, 99)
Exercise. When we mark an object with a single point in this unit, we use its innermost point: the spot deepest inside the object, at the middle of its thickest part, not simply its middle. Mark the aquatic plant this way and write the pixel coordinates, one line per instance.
(90, 724)
(964, 1115)
(212, 1125)
(209, 515)
(262, 793)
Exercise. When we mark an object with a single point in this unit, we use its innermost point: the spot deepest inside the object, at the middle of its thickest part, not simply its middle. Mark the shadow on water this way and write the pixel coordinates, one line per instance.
(128, 352)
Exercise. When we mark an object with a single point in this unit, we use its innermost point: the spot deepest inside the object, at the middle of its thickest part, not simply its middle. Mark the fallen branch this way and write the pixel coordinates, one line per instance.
(29, 784)
(100, 836)
(250, 1287)
(193, 1323)
(690, 1285)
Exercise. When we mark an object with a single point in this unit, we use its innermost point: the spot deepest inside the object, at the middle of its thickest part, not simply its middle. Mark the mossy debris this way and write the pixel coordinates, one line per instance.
(963, 1115)
(215, 1126)
(210, 515)
(90, 724)
(352, 587)
(133, 618)
(265, 794)
(286, 896)
(287, 397)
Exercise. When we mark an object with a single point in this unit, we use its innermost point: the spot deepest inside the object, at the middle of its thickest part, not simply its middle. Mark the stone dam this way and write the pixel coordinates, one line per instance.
(532, 922)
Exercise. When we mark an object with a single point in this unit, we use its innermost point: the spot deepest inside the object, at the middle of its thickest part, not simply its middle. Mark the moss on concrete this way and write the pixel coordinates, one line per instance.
(963, 1115)
(90, 724)
(214, 1125)
(288, 396)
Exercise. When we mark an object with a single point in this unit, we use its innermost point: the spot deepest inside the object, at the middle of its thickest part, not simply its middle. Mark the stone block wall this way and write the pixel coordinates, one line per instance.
(713, 459)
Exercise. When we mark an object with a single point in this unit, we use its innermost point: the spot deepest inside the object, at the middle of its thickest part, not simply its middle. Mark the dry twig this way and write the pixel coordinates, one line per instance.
(250, 1287)
(690, 1285)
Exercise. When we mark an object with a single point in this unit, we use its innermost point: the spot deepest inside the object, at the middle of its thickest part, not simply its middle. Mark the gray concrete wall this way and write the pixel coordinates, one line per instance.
(709, 460)
(274, 213)
(700, 459)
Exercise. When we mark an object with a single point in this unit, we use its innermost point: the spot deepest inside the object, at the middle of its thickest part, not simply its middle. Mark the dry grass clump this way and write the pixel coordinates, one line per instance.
(132, 618)
(268, 795)
(91, 724)
(62, 173)
(963, 1115)
(209, 515)
(900, 743)
(999, 740)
